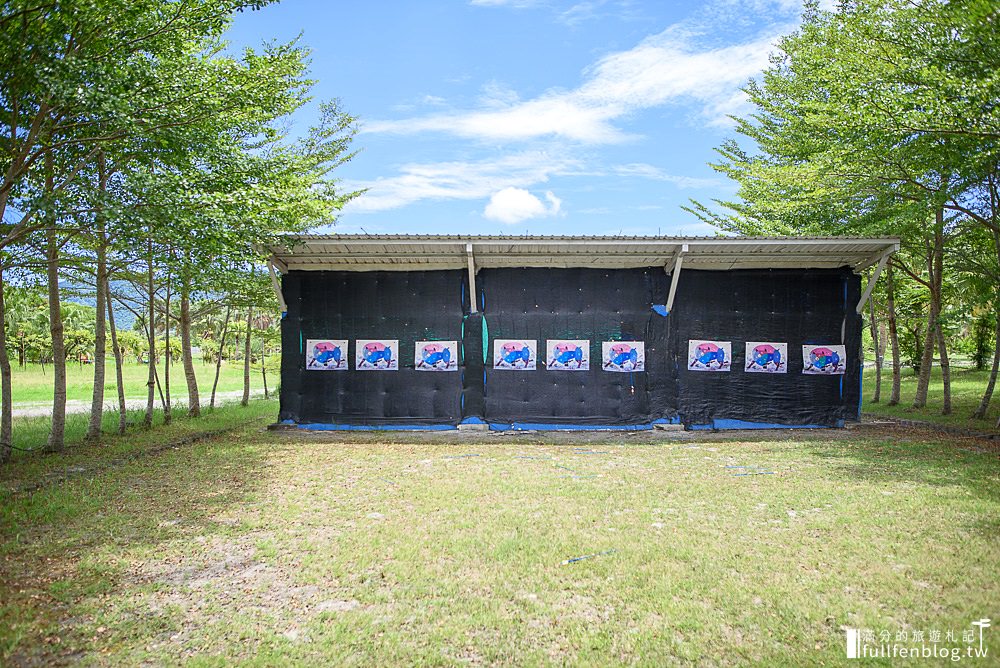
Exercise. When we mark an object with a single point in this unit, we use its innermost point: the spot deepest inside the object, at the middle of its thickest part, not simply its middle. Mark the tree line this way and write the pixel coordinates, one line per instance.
(144, 165)
(882, 118)
(216, 333)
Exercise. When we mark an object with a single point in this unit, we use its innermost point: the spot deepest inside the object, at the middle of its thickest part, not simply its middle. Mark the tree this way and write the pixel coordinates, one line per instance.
(135, 152)
(878, 118)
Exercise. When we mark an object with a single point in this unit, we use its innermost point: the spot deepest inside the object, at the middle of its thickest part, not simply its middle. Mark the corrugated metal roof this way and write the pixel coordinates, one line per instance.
(415, 252)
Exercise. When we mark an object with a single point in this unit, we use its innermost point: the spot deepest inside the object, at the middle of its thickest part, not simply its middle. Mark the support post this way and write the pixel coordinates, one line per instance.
(277, 288)
(871, 283)
(472, 278)
(675, 275)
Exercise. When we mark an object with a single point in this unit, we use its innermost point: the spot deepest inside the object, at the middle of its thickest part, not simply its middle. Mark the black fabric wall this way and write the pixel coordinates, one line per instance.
(598, 305)
(799, 307)
(409, 306)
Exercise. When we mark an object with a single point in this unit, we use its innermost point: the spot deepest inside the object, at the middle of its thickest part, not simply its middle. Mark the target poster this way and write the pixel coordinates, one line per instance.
(376, 355)
(824, 360)
(514, 354)
(436, 356)
(326, 355)
(766, 357)
(709, 355)
(623, 356)
(567, 355)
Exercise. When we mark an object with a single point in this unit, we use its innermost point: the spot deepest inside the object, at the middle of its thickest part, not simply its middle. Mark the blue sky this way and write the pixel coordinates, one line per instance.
(530, 116)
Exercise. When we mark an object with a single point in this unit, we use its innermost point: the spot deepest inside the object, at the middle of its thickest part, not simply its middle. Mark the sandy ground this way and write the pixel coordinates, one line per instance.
(31, 409)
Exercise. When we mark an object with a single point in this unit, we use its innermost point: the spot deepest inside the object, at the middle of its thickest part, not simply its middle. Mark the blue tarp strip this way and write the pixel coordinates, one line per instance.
(378, 427)
(534, 426)
(473, 420)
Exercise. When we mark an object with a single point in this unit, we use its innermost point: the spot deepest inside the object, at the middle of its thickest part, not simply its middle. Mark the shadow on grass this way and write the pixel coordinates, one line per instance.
(928, 462)
(66, 545)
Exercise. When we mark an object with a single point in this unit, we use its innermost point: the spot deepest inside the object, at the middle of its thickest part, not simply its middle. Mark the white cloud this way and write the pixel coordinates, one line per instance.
(662, 69)
(512, 205)
(646, 171)
(582, 11)
(458, 180)
(497, 95)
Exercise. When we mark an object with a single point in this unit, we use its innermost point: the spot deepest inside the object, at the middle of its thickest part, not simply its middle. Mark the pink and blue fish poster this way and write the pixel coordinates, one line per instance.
(709, 355)
(376, 355)
(824, 360)
(567, 355)
(514, 354)
(623, 356)
(326, 355)
(436, 356)
(766, 357)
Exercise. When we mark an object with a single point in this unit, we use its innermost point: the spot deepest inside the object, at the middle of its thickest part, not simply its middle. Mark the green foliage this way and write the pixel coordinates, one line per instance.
(983, 339)
(140, 155)
(880, 118)
(867, 120)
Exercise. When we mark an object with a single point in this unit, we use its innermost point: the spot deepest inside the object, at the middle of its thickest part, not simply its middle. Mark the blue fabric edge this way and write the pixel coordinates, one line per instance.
(374, 427)
(539, 426)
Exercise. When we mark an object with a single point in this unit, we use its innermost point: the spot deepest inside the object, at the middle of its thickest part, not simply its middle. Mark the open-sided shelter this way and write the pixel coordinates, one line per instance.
(532, 332)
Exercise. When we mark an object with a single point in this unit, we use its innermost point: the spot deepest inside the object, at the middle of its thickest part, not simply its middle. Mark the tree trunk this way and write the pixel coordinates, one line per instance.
(935, 269)
(119, 371)
(167, 355)
(945, 370)
(194, 401)
(100, 351)
(218, 360)
(150, 339)
(6, 410)
(159, 388)
(890, 306)
(878, 355)
(57, 431)
(100, 335)
(263, 369)
(984, 404)
(246, 360)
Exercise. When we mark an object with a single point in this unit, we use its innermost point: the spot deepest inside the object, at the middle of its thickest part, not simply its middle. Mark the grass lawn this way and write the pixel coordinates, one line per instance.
(261, 548)
(967, 387)
(34, 384)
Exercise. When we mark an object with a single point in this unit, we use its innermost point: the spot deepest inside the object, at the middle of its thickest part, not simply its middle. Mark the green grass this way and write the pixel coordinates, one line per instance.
(967, 387)
(34, 383)
(30, 436)
(322, 549)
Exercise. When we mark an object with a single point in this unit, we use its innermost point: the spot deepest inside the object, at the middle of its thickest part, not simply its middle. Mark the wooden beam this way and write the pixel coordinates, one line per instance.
(675, 276)
(871, 283)
(277, 288)
(472, 278)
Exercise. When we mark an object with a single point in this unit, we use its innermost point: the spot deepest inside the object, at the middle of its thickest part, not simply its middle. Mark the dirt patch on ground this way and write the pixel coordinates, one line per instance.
(229, 579)
(870, 428)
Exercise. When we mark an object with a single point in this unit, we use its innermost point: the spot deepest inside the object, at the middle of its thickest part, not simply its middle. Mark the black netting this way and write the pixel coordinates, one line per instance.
(794, 306)
(798, 307)
(408, 306)
(592, 304)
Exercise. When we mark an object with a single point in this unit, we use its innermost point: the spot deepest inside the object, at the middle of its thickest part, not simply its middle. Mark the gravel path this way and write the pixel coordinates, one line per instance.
(29, 409)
